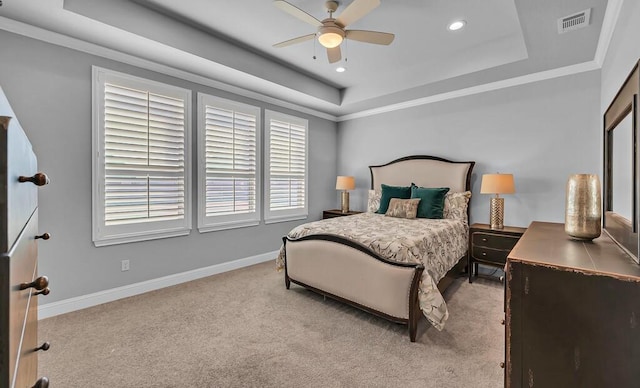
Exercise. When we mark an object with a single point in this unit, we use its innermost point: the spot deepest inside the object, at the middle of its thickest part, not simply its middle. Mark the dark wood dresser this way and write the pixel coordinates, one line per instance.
(572, 312)
(19, 281)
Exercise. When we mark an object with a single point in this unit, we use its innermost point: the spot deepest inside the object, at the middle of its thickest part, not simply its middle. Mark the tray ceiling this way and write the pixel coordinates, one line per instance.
(231, 42)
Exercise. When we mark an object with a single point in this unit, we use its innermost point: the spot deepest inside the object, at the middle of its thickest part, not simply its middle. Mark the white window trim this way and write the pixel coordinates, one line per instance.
(102, 235)
(232, 221)
(271, 217)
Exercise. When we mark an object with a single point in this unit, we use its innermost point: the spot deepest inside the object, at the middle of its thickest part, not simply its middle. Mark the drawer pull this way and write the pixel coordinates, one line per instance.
(44, 236)
(502, 322)
(44, 347)
(502, 365)
(39, 284)
(39, 179)
(42, 382)
(46, 291)
(484, 239)
(484, 253)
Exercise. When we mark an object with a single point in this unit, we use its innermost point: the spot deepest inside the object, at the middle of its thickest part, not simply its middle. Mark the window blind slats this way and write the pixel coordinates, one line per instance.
(287, 165)
(144, 147)
(230, 161)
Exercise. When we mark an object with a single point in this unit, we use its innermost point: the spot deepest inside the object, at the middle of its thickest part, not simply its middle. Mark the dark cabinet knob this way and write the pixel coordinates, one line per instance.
(42, 382)
(502, 365)
(502, 322)
(39, 284)
(44, 236)
(46, 291)
(39, 179)
(484, 240)
(44, 347)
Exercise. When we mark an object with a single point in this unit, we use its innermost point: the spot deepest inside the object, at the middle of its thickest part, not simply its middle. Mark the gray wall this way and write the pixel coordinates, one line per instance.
(541, 132)
(623, 52)
(49, 88)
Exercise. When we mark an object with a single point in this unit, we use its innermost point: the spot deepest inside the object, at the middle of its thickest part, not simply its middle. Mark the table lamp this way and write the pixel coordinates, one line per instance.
(345, 183)
(497, 184)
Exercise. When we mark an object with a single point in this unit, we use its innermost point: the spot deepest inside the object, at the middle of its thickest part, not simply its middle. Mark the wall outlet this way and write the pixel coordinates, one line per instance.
(124, 265)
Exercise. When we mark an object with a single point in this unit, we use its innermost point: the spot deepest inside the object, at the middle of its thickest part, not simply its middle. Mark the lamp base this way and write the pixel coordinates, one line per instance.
(345, 202)
(496, 213)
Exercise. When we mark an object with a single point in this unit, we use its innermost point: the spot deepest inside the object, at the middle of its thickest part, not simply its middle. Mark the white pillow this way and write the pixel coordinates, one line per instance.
(373, 203)
(455, 206)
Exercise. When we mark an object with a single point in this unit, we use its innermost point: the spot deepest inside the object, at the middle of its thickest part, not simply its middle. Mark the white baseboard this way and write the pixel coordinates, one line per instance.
(82, 302)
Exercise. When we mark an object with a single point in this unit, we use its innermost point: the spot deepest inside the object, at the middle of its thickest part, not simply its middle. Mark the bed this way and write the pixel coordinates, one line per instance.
(392, 267)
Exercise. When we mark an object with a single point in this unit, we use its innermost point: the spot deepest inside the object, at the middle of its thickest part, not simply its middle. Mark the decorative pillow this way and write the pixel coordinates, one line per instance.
(432, 201)
(373, 203)
(403, 208)
(388, 192)
(455, 206)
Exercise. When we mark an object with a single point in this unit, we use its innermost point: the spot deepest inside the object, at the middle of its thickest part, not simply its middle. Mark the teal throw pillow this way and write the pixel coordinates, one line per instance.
(388, 192)
(431, 201)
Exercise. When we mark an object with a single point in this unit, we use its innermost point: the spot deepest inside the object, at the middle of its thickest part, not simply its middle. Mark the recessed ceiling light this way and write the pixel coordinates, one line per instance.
(341, 69)
(455, 26)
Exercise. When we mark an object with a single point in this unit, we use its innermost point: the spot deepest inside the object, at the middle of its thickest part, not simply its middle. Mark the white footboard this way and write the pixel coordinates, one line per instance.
(350, 272)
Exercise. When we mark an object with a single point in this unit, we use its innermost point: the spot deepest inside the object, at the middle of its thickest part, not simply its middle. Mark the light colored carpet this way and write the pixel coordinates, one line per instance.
(244, 329)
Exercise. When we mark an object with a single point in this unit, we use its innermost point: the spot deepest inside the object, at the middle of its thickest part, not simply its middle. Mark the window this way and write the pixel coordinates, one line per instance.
(141, 162)
(229, 164)
(286, 175)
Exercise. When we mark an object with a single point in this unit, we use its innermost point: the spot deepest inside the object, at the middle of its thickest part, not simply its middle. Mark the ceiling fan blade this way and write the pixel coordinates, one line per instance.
(334, 54)
(356, 10)
(297, 12)
(299, 39)
(374, 37)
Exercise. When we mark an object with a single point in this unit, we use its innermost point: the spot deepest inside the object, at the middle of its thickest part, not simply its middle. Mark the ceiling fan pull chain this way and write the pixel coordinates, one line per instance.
(314, 49)
(346, 50)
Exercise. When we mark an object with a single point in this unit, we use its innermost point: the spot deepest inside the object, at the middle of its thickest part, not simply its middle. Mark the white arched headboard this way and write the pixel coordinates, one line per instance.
(424, 171)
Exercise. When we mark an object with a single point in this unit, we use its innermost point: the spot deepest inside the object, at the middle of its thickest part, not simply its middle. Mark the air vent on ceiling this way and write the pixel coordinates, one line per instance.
(574, 22)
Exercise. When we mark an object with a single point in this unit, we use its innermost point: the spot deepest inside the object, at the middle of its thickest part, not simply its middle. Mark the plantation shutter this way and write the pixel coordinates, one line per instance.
(142, 166)
(230, 190)
(287, 166)
(144, 156)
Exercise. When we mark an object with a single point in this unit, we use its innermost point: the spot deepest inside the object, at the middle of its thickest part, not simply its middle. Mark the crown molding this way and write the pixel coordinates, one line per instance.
(611, 15)
(62, 40)
(507, 83)
(609, 22)
(608, 27)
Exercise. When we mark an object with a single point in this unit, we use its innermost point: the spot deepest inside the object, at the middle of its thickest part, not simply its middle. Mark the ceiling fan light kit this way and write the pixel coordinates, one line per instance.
(330, 36)
(332, 31)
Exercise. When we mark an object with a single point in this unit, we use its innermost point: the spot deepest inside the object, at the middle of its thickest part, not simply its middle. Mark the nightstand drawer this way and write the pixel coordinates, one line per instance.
(494, 241)
(490, 246)
(498, 256)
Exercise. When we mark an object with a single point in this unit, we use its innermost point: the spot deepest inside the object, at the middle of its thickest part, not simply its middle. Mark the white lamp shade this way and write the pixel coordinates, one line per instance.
(497, 184)
(345, 183)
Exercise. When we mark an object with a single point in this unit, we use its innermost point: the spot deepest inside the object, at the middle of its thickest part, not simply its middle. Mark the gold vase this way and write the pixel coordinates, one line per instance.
(583, 215)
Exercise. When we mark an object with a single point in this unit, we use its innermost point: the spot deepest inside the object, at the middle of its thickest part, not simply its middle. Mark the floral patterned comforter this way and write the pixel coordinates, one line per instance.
(437, 244)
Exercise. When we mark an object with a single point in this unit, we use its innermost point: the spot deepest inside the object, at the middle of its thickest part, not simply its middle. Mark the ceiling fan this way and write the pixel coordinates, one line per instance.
(332, 31)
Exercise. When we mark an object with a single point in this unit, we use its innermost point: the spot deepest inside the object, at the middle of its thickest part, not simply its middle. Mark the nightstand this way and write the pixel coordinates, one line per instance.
(490, 246)
(336, 213)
